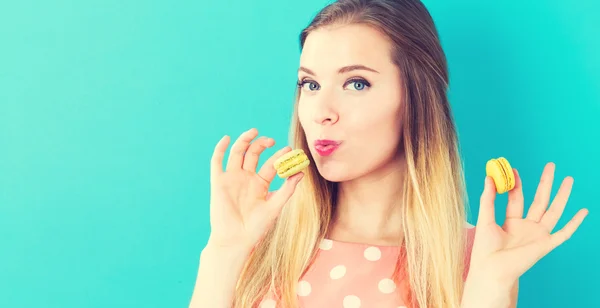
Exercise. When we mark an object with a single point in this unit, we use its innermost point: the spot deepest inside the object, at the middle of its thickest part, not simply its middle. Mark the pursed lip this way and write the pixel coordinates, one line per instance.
(326, 147)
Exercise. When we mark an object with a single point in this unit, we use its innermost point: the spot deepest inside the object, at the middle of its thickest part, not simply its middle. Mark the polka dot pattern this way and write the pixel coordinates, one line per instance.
(268, 303)
(304, 288)
(337, 272)
(352, 275)
(387, 286)
(372, 253)
(326, 244)
(351, 301)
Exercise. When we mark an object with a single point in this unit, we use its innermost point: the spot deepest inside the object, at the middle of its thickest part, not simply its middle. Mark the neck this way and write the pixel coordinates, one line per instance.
(368, 208)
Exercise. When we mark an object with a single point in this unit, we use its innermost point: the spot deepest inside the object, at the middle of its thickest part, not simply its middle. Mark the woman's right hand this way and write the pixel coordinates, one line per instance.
(241, 207)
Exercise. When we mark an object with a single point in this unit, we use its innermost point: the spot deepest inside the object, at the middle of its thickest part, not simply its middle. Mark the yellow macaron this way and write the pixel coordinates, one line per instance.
(502, 173)
(291, 163)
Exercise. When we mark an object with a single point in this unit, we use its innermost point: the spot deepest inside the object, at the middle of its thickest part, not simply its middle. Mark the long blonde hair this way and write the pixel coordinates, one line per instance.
(434, 198)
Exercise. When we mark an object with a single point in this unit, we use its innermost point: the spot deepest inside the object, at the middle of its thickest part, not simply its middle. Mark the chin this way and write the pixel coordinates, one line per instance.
(335, 173)
(335, 178)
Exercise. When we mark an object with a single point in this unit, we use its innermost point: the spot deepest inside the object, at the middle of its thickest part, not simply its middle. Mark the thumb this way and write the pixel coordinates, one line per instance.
(285, 192)
(486, 205)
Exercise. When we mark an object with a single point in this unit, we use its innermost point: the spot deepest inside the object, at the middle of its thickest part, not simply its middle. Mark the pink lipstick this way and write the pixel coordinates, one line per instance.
(326, 147)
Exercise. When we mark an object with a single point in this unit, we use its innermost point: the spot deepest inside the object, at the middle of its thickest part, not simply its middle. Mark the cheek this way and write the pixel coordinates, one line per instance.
(374, 121)
(380, 139)
(376, 133)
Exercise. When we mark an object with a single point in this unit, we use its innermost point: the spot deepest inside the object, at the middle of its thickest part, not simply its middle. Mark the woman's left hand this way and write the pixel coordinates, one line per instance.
(505, 253)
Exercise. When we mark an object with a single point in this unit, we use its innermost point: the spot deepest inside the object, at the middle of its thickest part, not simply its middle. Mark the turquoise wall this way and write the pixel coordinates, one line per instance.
(109, 111)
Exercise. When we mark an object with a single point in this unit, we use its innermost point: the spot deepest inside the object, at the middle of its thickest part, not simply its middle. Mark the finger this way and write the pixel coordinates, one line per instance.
(486, 205)
(551, 217)
(267, 171)
(281, 196)
(514, 208)
(542, 195)
(530, 254)
(567, 231)
(236, 156)
(253, 154)
(216, 161)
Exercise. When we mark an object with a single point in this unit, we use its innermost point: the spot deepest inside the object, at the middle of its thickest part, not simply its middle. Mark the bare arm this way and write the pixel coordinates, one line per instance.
(480, 292)
(218, 274)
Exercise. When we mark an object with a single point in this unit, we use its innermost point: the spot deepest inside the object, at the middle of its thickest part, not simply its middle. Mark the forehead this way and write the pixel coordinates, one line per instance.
(330, 48)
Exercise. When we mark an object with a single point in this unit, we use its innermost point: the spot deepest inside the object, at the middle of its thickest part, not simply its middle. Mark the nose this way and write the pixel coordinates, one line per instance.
(326, 112)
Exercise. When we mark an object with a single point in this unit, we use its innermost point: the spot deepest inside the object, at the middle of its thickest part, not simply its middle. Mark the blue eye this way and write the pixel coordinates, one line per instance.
(312, 86)
(359, 84)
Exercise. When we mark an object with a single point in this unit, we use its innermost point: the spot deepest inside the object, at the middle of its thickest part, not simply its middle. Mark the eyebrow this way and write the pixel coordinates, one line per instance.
(342, 70)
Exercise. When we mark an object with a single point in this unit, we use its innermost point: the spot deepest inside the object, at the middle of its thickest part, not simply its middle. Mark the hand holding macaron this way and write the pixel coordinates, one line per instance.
(241, 207)
(505, 252)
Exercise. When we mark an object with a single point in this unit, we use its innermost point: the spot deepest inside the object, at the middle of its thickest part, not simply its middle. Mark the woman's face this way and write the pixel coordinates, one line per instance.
(350, 94)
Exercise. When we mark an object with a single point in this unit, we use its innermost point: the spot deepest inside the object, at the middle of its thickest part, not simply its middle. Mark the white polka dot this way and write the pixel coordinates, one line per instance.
(372, 254)
(351, 301)
(268, 303)
(326, 244)
(304, 288)
(387, 286)
(337, 272)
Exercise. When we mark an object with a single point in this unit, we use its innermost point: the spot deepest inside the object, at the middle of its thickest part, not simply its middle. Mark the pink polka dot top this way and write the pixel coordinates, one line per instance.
(352, 275)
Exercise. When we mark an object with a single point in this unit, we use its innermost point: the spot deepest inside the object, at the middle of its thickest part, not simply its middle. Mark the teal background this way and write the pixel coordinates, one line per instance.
(109, 111)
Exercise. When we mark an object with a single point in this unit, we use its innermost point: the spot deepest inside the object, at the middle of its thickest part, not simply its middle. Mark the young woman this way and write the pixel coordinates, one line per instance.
(378, 218)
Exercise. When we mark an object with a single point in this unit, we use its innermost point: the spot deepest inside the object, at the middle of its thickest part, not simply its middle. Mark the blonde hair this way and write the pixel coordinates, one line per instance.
(432, 261)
